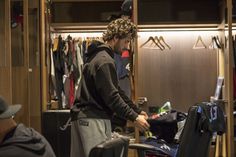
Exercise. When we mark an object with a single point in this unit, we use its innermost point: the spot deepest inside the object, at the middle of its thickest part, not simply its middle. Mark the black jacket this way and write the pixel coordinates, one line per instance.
(25, 142)
(212, 118)
(100, 94)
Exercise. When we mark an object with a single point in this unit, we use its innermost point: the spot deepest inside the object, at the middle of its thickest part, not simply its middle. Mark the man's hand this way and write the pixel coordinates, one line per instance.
(144, 114)
(141, 123)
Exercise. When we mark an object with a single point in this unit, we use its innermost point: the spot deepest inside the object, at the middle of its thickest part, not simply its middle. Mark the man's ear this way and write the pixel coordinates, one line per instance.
(115, 39)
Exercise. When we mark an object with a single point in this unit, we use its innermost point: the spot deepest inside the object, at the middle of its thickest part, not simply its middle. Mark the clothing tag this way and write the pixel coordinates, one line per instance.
(213, 112)
(83, 123)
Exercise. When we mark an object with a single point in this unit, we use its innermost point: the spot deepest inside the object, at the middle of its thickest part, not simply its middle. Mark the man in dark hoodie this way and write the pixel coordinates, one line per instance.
(101, 96)
(16, 140)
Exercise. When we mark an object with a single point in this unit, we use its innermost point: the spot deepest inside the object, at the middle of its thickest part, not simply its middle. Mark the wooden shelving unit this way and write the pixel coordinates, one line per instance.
(20, 71)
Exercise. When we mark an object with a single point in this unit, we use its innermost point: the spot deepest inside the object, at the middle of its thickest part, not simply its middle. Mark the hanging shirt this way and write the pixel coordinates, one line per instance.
(122, 64)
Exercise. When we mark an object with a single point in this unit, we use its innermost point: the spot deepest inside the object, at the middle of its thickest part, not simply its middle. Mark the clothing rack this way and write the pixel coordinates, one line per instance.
(67, 57)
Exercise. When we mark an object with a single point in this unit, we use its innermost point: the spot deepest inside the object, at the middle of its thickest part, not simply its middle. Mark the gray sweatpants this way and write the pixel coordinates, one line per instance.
(87, 133)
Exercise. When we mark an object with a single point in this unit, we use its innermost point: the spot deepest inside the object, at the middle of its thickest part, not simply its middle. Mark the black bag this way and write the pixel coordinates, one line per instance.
(196, 136)
(165, 127)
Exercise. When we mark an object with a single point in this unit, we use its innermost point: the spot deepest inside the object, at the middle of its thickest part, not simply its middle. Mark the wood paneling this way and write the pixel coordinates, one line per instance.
(17, 47)
(229, 83)
(2, 34)
(34, 68)
(5, 61)
(20, 65)
(42, 58)
(34, 100)
(5, 83)
(26, 66)
(20, 93)
(182, 75)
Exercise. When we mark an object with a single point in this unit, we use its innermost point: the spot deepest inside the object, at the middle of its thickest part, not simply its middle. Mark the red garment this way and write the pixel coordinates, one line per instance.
(72, 91)
(125, 54)
(72, 80)
(19, 19)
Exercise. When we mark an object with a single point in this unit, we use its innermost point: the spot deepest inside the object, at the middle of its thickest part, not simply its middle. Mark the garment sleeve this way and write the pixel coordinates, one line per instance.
(128, 101)
(106, 83)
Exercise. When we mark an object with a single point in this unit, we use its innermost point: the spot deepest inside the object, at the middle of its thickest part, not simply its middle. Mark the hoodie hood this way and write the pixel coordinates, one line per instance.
(26, 138)
(96, 47)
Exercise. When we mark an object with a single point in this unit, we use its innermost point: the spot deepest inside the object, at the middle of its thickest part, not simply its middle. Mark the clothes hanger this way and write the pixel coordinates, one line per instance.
(78, 40)
(217, 42)
(55, 44)
(212, 44)
(202, 44)
(68, 38)
(88, 42)
(66, 48)
(162, 47)
(150, 39)
(226, 41)
(159, 47)
(162, 39)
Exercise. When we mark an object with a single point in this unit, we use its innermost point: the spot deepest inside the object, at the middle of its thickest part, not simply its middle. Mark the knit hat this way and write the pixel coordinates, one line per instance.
(120, 28)
(6, 110)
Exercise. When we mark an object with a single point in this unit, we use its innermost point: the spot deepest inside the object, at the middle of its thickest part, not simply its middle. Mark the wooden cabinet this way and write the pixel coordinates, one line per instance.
(178, 11)
(164, 75)
(19, 66)
(182, 74)
(5, 44)
(84, 11)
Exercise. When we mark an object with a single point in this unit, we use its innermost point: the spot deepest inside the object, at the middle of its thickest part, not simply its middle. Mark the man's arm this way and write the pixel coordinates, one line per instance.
(131, 104)
(107, 85)
(128, 101)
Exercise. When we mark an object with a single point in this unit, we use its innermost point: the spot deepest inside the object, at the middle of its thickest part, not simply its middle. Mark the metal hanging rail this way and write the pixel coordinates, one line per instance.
(179, 27)
(77, 27)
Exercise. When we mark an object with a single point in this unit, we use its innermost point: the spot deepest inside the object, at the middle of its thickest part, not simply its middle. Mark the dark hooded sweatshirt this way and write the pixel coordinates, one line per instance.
(25, 142)
(101, 96)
